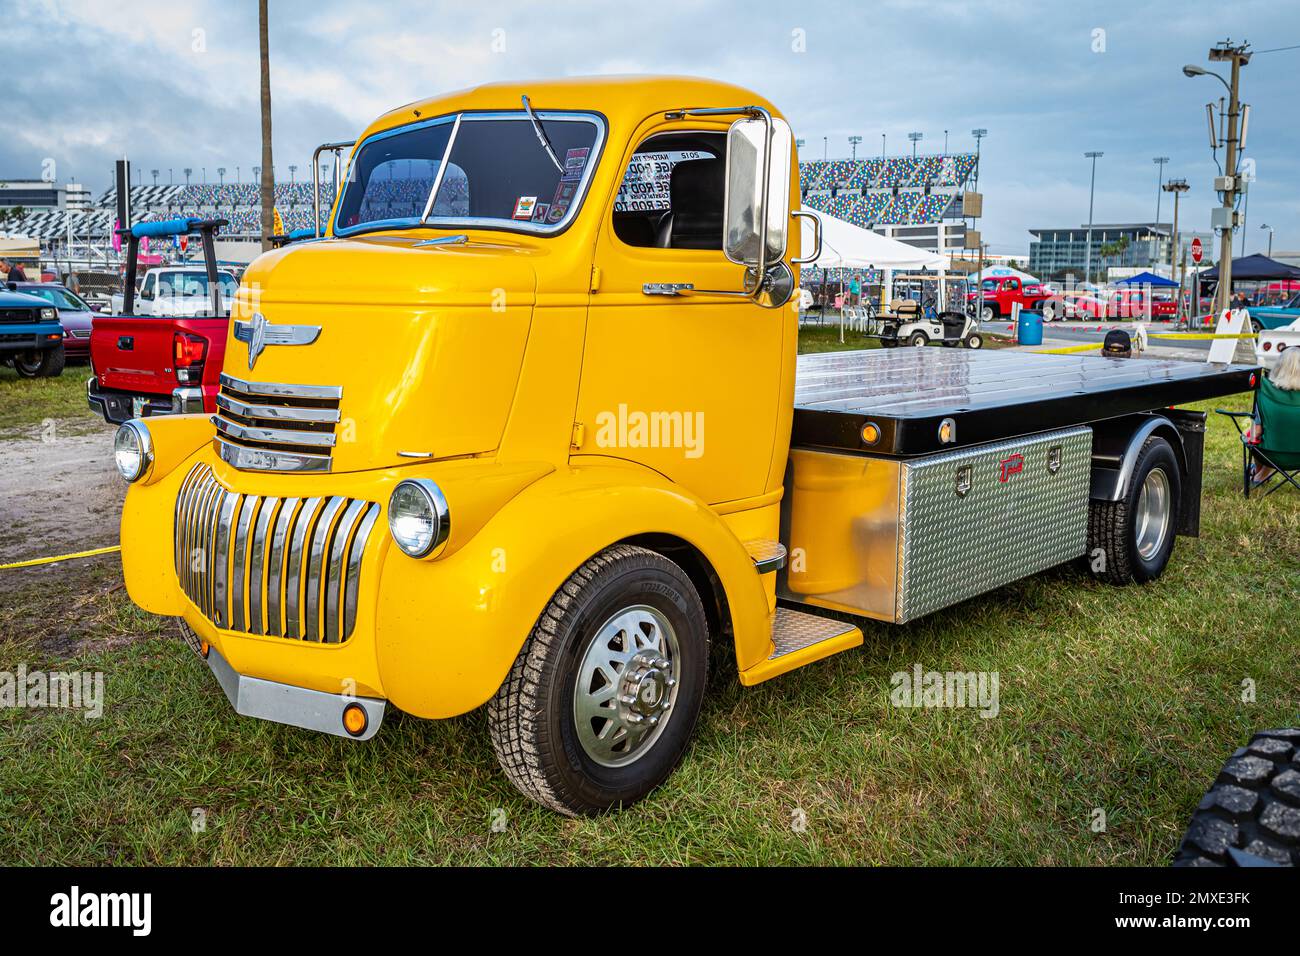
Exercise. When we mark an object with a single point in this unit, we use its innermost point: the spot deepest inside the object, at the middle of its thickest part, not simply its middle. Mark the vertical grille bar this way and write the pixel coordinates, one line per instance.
(239, 573)
(355, 553)
(221, 577)
(334, 579)
(257, 564)
(279, 555)
(294, 572)
(320, 540)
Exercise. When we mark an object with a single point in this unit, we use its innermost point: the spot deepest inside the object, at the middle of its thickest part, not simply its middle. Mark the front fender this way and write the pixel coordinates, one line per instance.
(449, 629)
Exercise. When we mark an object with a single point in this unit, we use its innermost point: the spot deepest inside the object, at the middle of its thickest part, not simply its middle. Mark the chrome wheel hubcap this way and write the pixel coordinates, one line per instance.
(626, 686)
(1151, 522)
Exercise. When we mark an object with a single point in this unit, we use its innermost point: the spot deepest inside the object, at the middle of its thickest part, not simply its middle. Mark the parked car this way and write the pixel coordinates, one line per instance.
(1273, 342)
(1133, 304)
(178, 291)
(75, 315)
(1264, 317)
(31, 338)
(998, 295)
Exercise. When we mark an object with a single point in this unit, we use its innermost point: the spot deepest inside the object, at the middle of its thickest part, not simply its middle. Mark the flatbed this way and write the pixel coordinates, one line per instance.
(989, 396)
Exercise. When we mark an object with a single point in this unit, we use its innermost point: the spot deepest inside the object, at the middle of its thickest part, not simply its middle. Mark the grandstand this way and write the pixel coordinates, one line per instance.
(894, 190)
(238, 202)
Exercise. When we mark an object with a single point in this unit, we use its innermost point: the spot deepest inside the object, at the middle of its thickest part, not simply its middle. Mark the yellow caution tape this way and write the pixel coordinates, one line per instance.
(1072, 348)
(34, 562)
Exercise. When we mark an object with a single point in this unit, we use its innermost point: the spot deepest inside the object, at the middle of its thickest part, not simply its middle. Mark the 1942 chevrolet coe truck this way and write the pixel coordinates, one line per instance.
(526, 427)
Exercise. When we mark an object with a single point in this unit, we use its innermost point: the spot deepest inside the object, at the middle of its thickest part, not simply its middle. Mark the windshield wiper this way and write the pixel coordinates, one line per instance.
(541, 135)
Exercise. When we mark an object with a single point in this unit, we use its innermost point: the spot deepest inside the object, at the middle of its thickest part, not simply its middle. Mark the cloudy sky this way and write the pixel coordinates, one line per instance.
(176, 84)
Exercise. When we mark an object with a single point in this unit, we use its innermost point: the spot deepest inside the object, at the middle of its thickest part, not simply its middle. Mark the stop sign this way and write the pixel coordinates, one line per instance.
(1197, 250)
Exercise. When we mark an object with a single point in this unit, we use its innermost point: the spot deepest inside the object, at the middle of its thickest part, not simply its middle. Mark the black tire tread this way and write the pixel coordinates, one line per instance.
(1251, 815)
(1108, 526)
(516, 718)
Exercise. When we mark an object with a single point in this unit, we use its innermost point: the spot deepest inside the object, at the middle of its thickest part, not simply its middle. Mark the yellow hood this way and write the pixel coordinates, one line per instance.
(425, 341)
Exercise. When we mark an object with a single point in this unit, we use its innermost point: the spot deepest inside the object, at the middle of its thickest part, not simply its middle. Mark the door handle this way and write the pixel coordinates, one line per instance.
(126, 343)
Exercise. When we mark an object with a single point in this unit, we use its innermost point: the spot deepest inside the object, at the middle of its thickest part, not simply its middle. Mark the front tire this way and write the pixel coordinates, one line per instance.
(603, 698)
(974, 341)
(988, 314)
(1131, 540)
(918, 340)
(47, 364)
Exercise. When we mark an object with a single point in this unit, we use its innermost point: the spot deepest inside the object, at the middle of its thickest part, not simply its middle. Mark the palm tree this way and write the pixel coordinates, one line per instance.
(268, 169)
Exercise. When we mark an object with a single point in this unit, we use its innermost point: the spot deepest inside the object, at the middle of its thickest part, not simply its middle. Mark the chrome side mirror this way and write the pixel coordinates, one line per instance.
(756, 207)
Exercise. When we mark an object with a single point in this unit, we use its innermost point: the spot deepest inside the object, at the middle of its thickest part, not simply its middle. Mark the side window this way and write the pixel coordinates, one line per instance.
(147, 290)
(672, 193)
(1013, 285)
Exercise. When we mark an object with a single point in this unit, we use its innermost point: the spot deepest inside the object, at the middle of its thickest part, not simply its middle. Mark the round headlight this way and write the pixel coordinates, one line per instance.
(418, 517)
(133, 450)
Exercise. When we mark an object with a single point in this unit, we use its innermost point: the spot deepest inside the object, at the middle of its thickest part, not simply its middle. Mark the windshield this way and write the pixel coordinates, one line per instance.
(193, 283)
(486, 169)
(60, 299)
(989, 285)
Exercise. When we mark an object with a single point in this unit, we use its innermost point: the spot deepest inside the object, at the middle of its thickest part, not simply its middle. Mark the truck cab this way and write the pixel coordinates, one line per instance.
(516, 430)
(179, 291)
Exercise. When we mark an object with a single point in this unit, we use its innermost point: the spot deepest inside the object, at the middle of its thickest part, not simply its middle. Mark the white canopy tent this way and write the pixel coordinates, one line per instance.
(846, 246)
(1006, 272)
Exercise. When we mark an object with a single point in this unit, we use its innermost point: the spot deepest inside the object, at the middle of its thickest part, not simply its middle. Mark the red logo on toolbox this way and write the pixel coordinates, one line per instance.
(1012, 466)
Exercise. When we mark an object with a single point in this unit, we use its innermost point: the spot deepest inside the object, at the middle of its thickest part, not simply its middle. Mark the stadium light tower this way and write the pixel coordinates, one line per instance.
(979, 134)
(853, 144)
(239, 175)
(825, 146)
(155, 176)
(221, 174)
(257, 174)
(882, 145)
(170, 178)
(1160, 181)
(945, 142)
(204, 171)
(1087, 261)
(914, 137)
(187, 172)
(294, 169)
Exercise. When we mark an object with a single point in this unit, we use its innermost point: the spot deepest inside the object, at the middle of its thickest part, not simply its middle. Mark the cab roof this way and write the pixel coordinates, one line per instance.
(623, 100)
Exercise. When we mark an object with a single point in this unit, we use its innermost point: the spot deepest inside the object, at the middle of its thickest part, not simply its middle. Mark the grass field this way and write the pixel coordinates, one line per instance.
(1125, 701)
(27, 403)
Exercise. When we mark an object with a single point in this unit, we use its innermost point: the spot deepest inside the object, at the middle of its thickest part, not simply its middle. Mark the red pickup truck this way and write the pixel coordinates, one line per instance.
(996, 296)
(158, 365)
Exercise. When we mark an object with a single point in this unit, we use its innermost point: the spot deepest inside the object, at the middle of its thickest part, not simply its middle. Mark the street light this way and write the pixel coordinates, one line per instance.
(914, 137)
(853, 143)
(1087, 262)
(1160, 180)
(1270, 238)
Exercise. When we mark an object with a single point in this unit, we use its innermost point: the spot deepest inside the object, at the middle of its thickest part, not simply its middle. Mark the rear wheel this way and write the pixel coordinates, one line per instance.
(988, 314)
(1131, 540)
(602, 700)
(918, 340)
(47, 364)
(974, 341)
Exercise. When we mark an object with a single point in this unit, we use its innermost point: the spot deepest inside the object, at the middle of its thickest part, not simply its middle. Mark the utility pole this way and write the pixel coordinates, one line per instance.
(1160, 181)
(1177, 187)
(1087, 262)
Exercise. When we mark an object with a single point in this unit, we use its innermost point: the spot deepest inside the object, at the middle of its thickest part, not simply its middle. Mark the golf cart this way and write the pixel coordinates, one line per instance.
(906, 324)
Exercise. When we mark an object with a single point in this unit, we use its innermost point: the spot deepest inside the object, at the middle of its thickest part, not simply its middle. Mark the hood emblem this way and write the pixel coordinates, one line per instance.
(259, 333)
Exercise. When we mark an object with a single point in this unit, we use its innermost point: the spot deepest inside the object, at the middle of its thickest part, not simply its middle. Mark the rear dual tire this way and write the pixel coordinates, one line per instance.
(601, 702)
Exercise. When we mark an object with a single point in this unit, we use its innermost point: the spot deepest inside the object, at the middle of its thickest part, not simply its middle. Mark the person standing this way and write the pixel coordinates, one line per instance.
(855, 291)
(15, 271)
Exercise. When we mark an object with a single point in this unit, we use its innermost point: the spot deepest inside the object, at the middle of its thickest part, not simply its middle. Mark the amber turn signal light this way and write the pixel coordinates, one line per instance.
(871, 433)
(355, 720)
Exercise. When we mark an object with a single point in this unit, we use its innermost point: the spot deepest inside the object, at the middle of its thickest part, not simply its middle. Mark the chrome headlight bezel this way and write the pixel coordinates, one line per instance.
(137, 432)
(433, 505)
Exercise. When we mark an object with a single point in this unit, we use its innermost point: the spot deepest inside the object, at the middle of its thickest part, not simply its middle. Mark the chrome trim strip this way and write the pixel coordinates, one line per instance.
(281, 389)
(356, 552)
(221, 579)
(320, 540)
(293, 576)
(262, 459)
(334, 578)
(239, 573)
(275, 577)
(279, 412)
(257, 564)
(279, 436)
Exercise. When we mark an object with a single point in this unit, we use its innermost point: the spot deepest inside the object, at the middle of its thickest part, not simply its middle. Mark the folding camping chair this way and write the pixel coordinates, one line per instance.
(1278, 413)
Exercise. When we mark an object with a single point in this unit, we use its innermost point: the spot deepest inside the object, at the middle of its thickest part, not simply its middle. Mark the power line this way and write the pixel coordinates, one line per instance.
(1277, 49)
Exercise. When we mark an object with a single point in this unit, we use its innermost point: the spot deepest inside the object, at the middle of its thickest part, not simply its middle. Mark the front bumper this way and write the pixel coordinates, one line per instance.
(295, 706)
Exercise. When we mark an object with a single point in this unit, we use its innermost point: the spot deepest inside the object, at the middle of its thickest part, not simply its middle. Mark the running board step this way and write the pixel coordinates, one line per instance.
(799, 638)
(767, 556)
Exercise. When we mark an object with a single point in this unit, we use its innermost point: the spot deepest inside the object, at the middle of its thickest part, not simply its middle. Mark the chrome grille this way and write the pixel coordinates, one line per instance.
(288, 567)
(270, 426)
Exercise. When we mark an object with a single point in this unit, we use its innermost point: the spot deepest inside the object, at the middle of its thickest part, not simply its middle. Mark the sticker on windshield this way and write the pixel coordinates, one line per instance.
(539, 213)
(564, 194)
(524, 206)
(575, 161)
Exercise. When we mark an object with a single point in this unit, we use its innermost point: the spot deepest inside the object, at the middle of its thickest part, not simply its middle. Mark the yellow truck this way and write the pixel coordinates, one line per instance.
(524, 425)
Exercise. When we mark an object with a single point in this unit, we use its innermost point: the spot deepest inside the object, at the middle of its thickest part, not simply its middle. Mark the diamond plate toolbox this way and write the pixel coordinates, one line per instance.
(975, 519)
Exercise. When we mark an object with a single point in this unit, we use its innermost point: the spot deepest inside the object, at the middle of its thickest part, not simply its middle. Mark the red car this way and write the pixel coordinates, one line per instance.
(74, 315)
(1134, 304)
(998, 295)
